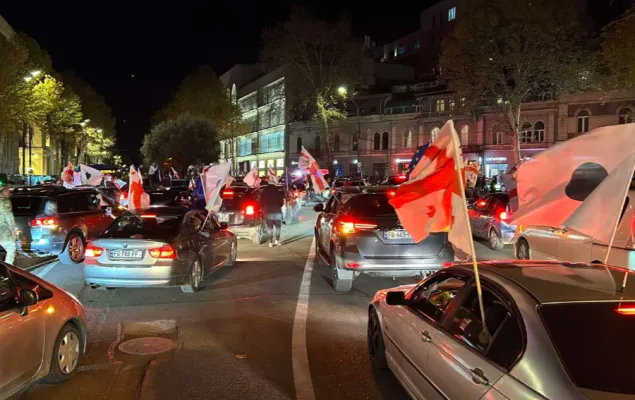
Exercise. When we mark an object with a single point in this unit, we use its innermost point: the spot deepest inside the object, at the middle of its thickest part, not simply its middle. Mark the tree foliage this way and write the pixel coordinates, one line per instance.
(513, 51)
(318, 57)
(618, 49)
(94, 106)
(187, 139)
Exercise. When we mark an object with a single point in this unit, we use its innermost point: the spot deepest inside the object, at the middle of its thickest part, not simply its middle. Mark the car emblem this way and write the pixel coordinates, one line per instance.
(125, 245)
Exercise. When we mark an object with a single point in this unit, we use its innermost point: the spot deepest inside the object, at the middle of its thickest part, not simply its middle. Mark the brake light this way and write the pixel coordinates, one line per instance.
(93, 251)
(504, 216)
(227, 193)
(626, 309)
(250, 210)
(123, 196)
(166, 252)
(482, 203)
(391, 193)
(352, 227)
(46, 222)
(352, 265)
(401, 177)
(148, 216)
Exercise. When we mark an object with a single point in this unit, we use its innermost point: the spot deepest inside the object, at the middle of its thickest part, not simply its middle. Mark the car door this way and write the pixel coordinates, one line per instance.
(326, 218)
(21, 337)
(463, 361)
(543, 241)
(197, 241)
(95, 220)
(410, 330)
(220, 241)
(481, 214)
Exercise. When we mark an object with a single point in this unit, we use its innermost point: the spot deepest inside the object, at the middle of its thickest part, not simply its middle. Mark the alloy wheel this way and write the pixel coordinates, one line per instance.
(68, 353)
(523, 251)
(373, 335)
(76, 248)
(232, 252)
(196, 275)
(493, 239)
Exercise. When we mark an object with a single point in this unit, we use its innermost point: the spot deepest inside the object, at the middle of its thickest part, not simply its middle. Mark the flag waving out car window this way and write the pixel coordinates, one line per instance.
(213, 181)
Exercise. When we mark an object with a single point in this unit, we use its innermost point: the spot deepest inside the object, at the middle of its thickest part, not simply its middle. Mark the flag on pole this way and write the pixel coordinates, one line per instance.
(471, 174)
(89, 175)
(252, 178)
(272, 176)
(306, 161)
(554, 183)
(416, 158)
(214, 178)
(137, 197)
(176, 175)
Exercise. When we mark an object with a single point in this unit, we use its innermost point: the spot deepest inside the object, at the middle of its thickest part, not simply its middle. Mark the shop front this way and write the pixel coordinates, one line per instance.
(497, 162)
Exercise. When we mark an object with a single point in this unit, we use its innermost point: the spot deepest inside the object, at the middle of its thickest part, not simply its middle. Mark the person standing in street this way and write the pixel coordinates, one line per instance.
(272, 202)
(7, 225)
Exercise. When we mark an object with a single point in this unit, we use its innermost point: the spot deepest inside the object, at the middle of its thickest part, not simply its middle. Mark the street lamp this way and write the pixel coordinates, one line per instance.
(342, 91)
(100, 130)
(35, 73)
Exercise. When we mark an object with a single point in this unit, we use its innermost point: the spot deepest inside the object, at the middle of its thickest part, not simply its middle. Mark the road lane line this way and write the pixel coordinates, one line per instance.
(299, 356)
(47, 269)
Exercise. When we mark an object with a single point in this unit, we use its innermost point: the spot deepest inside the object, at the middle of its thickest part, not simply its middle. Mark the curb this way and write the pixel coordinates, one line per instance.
(46, 260)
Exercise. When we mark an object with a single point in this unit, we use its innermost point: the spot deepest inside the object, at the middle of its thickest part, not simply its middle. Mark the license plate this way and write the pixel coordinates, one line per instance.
(129, 254)
(397, 234)
(224, 217)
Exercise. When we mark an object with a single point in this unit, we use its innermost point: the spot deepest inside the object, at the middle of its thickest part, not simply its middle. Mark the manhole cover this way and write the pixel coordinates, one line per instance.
(146, 346)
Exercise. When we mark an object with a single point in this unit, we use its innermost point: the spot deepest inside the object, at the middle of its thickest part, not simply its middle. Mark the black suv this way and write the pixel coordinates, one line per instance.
(241, 211)
(57, 221)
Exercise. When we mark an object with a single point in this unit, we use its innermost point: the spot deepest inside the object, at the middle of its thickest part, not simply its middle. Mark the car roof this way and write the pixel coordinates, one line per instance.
(558, 282)
(162, 210)
(365, 189)
(46, 190)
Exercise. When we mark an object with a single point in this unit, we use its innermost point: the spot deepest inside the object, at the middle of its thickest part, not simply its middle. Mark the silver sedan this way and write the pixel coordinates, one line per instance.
(552, 330)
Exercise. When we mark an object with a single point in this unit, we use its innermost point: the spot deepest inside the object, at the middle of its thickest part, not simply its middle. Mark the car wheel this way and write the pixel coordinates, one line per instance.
(66, 355)
(259, 237)
(73, 252)
(233, 253)
(522, 250)
(376, 348)
(495, 242)
(195, 278)
(340, 284)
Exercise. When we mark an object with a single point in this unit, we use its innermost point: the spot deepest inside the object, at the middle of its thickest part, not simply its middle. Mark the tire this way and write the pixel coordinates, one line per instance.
(339, 284)
(73, 252)
(259, 237)
(495, 242)
(233, 254)
(522, 250)
(375, 341)
(67, 352)
(194, 279)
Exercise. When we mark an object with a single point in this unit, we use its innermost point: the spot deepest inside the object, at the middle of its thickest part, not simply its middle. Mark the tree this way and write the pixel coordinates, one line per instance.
(187, 139)
(513, 51)
(63, 121)
(618, 49)
(318, 58)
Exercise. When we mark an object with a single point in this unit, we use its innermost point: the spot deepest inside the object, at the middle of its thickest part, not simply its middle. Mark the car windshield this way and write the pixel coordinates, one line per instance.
(27, 205)
(369, 205)
(144, 226)
(594, 342)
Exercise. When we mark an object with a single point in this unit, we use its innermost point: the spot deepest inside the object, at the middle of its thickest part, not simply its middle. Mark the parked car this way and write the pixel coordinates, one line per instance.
(241, 211)
(57, 221)
(489, 219)
(162, 246)
(42, 331)
(358, 232)
(534, 343)
(342, 182)
(395, 180)
(563, 243)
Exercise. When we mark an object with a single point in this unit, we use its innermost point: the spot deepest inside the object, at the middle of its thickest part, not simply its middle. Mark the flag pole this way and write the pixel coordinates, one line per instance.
(457, 163)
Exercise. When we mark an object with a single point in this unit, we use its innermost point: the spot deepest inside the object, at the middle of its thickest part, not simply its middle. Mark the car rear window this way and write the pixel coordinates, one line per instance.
(28, 205)
(594, 342)
(369, 205)
(146, 226)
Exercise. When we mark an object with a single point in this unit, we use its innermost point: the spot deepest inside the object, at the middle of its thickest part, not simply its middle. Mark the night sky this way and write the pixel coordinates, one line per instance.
(136, 54)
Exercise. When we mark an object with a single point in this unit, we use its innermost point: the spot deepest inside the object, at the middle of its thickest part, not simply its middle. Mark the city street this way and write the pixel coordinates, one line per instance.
(235, 338)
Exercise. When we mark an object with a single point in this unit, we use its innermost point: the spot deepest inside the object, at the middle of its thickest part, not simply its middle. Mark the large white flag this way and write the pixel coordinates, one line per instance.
(90, 176)
(213, 181)
(554, 183)
(305, 160)
(252, 178)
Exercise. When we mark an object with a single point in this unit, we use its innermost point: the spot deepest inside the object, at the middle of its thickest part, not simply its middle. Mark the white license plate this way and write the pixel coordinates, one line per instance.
(397, 234)
(129, 254)
(223, 217)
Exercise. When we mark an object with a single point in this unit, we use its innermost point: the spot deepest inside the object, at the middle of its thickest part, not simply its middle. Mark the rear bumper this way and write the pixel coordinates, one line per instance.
(244, 231)
(391, 267)
(45, 245)
(126, 276)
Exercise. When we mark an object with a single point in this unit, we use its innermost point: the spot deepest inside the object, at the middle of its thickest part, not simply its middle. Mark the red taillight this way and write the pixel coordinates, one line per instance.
(352, 265)
(148, 216)
(93, 251)
(227, 193)
(504, 216)
(391, 193)
(352, 227)
(401, 177)
(625, 309)
(250, 210)
(166, 251)
(447, 264)
(46, 222)
(482, 203)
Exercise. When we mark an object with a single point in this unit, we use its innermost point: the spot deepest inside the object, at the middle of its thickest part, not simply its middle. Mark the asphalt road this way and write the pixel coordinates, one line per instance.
(235, 339)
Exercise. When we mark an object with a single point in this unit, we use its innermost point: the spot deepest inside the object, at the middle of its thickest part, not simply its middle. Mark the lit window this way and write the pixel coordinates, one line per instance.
(539, 132)
(525, 133)
(261, 164)
(465, 135)
(270, 163)
(625, 116)
(407, 139)
(583, 121)
(440, 105)
(452, 14)
(280, 163)
(497, 137)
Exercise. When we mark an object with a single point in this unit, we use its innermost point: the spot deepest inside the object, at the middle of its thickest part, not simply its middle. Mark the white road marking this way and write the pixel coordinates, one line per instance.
(47, 269)
(299, 356)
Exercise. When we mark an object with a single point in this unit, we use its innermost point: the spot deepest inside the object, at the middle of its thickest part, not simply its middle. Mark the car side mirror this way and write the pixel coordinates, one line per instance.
(396, 299)
(224, 226)
(28, 298)
(318, 207)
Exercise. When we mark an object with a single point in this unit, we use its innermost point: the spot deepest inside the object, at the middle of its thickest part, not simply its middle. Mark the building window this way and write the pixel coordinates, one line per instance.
(452, 14)
(355, 142)
(298, 142)
(384, 141)
(583, 121)
(434, 133)
(407, 139)
(376, 141)
(280, 163)
(625, 116)
(525, 133)
(539, 132)
(497, 138)
(261, 164)
(465, 135)
(318, 147)
(336, 142)
(440, 105)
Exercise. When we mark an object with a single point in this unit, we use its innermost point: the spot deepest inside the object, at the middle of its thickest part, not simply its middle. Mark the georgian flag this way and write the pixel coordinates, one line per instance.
(305, 160)
(319, 183)
(252, 178)
(137, 197)
(214, 179)
(272, 176)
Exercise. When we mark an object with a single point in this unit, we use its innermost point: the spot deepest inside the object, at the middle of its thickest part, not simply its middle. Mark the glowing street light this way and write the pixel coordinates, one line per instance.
(35, 73)
(342, 91)
(100, 130)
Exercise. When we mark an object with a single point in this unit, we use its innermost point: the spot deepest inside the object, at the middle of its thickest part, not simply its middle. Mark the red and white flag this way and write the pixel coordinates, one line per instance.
(305, 160)
(319, 183)
(431, 200)
(272, 176)
(252, 178)
(137, 197)
(176, 175)
(214, 179)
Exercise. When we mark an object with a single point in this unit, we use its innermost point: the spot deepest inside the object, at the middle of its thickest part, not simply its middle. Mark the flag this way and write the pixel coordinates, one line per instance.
(272, 176)
(305, 160)
(137, 197)
(416, 158)
(229, 181)
(509, 180)
(319, 183)
(176, 175)
(431, 200)
(471, 175)
(68, 176)
(554, 183)
(213, 181)
(89, 175)
(252, 178)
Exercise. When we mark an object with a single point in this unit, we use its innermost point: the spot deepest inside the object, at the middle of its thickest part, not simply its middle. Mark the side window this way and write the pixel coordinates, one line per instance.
(64, 203)
(81, 202)
(501, 341)
(434, 297)
(329, 205)
(193, 223)
(492, 205)
(7, 291)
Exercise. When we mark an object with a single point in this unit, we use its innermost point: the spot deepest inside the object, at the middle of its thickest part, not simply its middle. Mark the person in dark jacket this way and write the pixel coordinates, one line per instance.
(272, 201)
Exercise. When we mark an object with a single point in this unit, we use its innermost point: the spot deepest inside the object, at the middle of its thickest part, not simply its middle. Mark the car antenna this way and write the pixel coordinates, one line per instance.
(617, 223)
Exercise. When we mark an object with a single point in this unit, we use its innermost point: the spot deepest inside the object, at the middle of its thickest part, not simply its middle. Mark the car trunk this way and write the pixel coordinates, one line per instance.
(127, 252)
(25, 210)
(233, 207)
